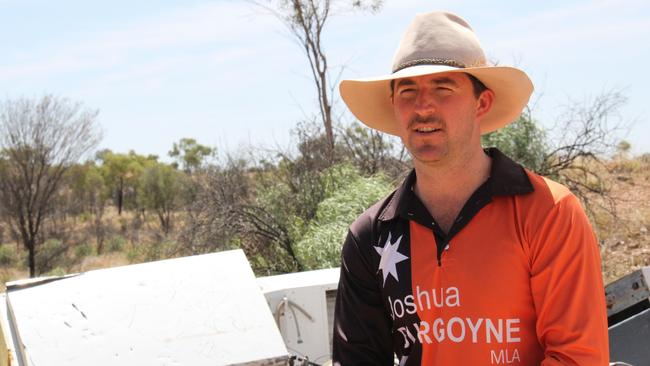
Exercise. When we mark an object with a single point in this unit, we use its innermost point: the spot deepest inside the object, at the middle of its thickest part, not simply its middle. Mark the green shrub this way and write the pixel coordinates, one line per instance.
(58, 271)
(629, 165)
(135, 254)
(523, 141)
(51, 254)
(84, 250)
(163, 250)
(320, 246)
(8, 256)
(152, 252)
(115, 244)
(84, 217)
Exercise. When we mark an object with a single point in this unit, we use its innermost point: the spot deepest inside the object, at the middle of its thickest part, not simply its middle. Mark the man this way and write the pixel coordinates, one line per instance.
(473, 260)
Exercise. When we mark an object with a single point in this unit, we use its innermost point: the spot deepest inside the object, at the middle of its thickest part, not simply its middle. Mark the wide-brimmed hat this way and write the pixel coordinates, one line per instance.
(433, 43)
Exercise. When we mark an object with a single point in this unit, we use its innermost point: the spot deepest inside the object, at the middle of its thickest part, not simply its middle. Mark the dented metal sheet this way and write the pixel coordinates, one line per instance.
(200, 310)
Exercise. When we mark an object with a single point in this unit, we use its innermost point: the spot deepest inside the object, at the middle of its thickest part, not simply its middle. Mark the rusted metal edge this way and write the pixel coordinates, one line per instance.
(627, 291)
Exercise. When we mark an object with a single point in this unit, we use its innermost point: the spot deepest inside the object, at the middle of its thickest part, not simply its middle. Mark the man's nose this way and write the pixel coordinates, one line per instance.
(424, 103)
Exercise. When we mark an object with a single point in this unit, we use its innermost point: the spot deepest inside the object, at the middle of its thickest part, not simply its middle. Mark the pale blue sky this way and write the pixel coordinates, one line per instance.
(228, 75)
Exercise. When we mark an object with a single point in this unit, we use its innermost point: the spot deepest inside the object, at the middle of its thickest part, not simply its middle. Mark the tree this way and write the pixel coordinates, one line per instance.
(228, 212)
(586, 133)
(306, 21)
(320, 245)
(39, 141)
(210, 225)
(161, 189)
(189, 154)
(572, 151)
(373, 151)
(522, 140)
(87, 193)
(623, 150)
(121, 174)
(96, 198)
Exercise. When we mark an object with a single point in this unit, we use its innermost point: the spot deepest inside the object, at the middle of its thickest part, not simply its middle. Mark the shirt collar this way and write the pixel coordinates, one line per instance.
(507, 178)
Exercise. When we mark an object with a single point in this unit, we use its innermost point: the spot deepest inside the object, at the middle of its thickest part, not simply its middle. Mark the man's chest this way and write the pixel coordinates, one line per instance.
(475, 294)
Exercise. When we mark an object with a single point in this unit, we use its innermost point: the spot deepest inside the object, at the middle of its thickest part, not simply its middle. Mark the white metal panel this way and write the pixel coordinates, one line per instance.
(200, 310)
(328, 277)
(305, 334)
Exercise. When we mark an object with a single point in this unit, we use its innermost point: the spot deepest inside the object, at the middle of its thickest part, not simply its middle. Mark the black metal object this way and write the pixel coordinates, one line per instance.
(628, 317)
(295, 360)
(629, 340)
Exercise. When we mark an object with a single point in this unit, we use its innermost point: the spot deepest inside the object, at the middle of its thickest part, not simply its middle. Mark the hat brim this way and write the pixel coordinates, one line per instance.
(369, 99)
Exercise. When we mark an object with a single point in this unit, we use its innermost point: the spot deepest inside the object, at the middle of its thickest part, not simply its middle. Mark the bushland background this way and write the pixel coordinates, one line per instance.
(288, 210)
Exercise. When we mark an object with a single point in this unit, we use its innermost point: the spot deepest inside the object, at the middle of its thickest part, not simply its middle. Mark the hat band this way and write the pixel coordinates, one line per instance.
(429, 61)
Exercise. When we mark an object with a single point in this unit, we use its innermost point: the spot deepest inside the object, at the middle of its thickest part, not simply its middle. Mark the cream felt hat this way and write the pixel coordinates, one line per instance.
(433, 43)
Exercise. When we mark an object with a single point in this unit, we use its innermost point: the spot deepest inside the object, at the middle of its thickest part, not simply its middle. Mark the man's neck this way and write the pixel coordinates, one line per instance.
(445, 188)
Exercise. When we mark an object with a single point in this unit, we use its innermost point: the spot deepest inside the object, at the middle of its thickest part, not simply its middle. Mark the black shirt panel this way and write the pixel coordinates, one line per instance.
(370, 335)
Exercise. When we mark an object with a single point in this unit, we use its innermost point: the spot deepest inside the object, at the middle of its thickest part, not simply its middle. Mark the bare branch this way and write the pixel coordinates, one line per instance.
(306, 20)
(39, 141)
(585, 134)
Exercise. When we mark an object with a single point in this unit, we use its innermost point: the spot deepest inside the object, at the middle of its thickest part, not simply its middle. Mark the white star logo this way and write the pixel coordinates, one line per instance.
(389, 258)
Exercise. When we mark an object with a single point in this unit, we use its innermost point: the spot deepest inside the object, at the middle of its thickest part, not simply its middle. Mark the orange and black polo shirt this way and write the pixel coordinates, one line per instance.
(515, 281)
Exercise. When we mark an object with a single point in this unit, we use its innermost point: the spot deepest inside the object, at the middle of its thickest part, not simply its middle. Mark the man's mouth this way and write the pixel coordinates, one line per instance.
(427, 129)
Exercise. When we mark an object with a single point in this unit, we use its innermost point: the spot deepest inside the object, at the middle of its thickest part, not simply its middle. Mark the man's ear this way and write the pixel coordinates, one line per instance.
(484, 103)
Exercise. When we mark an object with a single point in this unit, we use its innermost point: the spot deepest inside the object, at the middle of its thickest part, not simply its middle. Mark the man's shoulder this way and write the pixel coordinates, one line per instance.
(549, 199)
(366, 223)
(547, 189)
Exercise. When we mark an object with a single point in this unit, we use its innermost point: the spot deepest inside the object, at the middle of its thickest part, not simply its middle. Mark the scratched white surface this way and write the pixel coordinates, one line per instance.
(200, 310)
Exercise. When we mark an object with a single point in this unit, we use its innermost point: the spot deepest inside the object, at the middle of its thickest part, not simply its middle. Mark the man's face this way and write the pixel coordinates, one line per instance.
(439, 116)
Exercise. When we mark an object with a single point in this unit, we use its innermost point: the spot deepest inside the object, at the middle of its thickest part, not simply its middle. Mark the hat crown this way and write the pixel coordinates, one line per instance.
(439, 38)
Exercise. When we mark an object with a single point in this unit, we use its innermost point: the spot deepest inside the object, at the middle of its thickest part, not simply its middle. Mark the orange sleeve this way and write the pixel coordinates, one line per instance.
(567, 288)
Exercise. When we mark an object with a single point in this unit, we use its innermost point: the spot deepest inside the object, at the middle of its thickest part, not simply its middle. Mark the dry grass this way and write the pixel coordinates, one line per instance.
(128, 239)
(101, 261)
(87, 264)
(11, 274)
(625, 238)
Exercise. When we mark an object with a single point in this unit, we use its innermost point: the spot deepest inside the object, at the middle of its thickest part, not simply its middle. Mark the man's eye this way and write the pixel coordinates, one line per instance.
(407, 92)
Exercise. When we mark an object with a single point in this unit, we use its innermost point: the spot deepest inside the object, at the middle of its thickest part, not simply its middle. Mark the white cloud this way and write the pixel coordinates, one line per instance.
(205, 25)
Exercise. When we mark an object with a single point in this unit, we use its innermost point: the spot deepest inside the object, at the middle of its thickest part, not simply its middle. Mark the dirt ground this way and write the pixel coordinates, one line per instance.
(624, 238)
